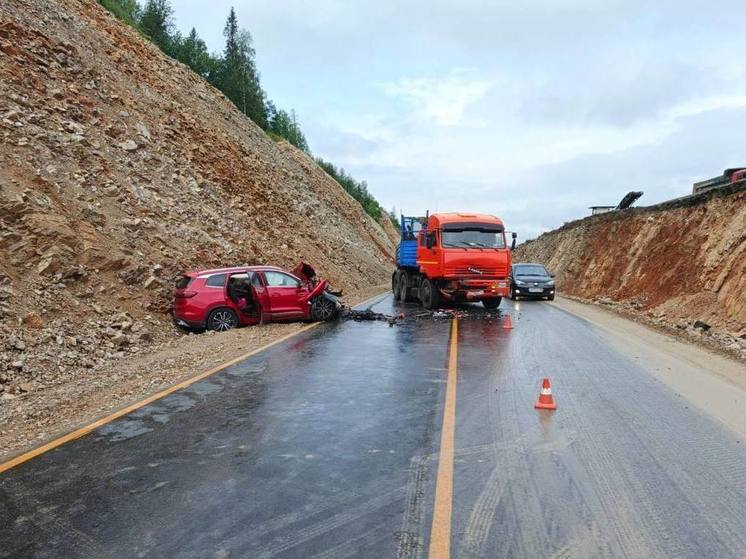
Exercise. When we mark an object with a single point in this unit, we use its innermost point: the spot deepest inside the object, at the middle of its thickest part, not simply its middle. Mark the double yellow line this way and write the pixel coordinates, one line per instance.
(440, 535)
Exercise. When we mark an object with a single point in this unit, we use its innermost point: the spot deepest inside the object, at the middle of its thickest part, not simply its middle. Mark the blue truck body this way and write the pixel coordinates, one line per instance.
(406, 252)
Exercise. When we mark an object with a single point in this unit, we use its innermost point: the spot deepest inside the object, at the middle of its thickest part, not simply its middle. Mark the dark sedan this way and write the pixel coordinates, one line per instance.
(532, 281)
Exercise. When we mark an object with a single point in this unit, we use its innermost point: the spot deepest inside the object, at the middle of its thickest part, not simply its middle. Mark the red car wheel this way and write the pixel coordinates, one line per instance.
(322, 309)
(221, 320)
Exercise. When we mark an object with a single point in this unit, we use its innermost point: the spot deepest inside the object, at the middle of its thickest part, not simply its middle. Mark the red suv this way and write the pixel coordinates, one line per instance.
(225, 298)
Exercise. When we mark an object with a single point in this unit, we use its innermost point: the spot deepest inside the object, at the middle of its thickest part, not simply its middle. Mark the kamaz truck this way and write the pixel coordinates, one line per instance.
(454, 257)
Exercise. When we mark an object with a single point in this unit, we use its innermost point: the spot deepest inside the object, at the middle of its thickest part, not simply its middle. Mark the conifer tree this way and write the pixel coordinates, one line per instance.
(156, 21)
(238, 77)
(126, 10)
(192, 51)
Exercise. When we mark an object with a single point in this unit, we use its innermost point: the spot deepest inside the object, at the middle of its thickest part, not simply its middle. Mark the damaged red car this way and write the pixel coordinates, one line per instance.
(225, 298)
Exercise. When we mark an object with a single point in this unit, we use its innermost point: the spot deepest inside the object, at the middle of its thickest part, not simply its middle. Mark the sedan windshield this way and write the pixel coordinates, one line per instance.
(531, 271)
(473, 239)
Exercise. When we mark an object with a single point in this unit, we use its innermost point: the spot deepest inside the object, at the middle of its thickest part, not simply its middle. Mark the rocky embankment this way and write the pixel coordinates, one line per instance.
(680, 265)
(120, 168)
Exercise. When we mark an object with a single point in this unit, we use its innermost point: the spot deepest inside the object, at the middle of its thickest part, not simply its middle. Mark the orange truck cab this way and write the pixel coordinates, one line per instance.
(452, 257)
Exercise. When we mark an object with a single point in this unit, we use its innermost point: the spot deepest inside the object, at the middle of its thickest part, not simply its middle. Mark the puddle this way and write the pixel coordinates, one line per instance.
(123, 429)
(204, 388)
(162, 410)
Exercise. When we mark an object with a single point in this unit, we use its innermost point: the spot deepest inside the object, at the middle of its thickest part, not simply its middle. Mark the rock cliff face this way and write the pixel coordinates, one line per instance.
(676, 263)
(120, 168)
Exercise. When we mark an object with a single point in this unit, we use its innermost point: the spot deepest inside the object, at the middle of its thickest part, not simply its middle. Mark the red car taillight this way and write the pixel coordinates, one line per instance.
(184, 294)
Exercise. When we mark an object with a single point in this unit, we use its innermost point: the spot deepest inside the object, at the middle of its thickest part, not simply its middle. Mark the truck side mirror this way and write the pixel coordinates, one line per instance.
(429, 239)
(514, 235)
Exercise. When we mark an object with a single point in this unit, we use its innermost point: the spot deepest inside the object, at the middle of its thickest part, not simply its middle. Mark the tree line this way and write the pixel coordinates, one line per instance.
(233, 72)
(357, 189)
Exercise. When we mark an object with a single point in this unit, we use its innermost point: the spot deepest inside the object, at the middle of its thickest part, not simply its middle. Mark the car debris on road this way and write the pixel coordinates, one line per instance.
(369, 315)
(461, 313)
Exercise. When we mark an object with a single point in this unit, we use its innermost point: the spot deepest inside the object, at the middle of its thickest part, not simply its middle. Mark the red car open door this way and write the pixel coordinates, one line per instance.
(260, 293)
(286, 293)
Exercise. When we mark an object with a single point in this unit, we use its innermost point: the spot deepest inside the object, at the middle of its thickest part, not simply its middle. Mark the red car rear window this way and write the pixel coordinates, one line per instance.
(183, 282)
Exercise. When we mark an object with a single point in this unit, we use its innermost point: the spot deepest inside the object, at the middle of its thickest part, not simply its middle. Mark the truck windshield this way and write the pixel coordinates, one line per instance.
(473, 239)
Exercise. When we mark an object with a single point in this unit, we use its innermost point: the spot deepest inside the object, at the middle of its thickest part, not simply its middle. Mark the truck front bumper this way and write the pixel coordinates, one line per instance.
(475, 290)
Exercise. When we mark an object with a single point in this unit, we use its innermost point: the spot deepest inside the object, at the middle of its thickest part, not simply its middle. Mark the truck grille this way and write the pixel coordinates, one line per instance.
(487, 272)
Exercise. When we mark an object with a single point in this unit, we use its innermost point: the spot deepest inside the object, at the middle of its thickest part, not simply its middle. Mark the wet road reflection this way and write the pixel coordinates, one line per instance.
(301, 450)
(327, 446)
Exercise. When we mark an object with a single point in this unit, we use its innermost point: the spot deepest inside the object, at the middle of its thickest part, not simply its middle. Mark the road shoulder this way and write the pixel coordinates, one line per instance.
(31, 420)
(711, 382)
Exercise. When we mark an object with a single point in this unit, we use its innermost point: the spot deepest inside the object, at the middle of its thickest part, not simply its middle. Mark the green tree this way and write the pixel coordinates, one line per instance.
(193, 52)
(358, 190)
(238, 77)
(296, 137)
(126, 10)
(156, 22)
(271, 111)
(394, 217)
(285, 125)
(235, 74)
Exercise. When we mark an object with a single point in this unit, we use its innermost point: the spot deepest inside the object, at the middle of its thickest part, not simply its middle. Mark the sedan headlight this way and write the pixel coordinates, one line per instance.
(519, 282)
(550, 283)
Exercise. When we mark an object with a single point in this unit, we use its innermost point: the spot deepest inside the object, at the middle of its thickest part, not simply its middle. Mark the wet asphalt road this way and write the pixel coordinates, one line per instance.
(327, 446)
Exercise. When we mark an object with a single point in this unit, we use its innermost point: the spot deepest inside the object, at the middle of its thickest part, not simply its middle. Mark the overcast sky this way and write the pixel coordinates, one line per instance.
(532, 111)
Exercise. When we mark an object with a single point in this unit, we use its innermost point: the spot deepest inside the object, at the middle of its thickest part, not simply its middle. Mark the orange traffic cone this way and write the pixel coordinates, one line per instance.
(545, 401)
(508, 323)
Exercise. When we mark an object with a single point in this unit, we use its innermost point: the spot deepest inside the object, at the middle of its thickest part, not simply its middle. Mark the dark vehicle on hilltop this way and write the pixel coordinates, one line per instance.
(531, 281)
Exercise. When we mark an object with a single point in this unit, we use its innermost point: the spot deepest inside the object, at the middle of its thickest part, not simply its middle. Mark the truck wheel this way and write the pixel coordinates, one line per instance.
(405, 293)
(429, 294)
(492, 303)
(395, 287)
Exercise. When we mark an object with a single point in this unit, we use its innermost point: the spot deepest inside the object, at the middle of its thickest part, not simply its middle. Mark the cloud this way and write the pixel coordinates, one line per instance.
(623, 90)
(345, 145)
(699, 146)
(532, 111)
(440, 100)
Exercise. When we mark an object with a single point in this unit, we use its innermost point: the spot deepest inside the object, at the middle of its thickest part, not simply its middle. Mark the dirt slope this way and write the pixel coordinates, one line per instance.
(119, 168)
(674, 263)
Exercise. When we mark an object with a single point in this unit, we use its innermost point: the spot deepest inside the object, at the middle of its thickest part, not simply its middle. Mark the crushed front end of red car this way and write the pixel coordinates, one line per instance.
(224, 298)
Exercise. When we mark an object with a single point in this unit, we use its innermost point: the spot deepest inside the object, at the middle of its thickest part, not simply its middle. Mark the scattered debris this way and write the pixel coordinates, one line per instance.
(368, 314)
(462, 313)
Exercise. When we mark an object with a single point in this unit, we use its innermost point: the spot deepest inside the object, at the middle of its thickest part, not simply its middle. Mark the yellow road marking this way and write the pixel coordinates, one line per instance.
(26, 456)
(440, 535)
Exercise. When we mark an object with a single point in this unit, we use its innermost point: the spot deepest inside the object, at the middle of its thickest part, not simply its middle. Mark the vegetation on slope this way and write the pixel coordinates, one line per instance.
(234, 73)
